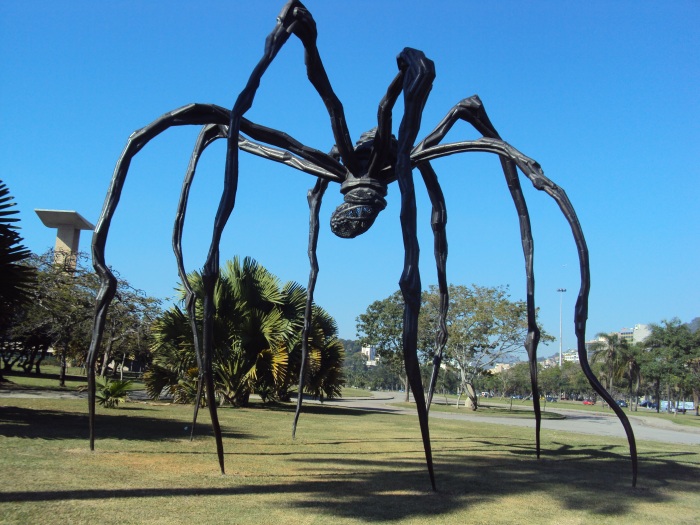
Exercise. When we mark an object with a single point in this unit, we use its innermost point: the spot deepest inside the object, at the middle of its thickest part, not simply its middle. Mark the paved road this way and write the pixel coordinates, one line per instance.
(579, 421)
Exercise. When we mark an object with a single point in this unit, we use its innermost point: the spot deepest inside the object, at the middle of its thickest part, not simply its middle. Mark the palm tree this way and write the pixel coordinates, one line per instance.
(173, 367)
(609, 349)
(17, 278)
(323, 377)
(630, 358)
(257, 330)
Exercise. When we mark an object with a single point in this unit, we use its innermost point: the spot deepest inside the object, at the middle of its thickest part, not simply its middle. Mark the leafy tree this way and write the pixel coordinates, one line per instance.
(257, 334)
(351, 346)
(356, 371)
(515, 380)
(381, 326)
(485, 327)
(550, 380)
(59, 316)
(674, 359)
(574, 382)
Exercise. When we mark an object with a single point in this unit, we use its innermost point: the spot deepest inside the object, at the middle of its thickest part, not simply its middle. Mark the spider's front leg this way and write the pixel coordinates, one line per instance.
(192, 114)
(438, 223)
(315, 197)
(207, 136)
(532, 170)
(418, 75)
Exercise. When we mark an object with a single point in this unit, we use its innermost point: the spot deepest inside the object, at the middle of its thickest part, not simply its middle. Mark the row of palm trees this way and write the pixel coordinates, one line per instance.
(620, 361)
(669, 358)
(257, 341)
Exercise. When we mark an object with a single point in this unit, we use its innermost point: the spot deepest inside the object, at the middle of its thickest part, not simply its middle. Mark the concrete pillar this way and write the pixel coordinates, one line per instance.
(68, 225)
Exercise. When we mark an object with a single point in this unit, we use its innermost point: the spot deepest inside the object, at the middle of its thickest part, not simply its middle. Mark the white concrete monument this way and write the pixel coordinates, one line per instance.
(68, 225)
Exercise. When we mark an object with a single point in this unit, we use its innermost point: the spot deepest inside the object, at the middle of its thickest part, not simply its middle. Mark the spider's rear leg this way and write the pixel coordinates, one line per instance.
(471, 110)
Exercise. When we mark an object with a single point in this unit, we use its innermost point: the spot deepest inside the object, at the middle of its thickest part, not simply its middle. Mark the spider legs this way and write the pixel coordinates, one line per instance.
(315, 196)
(534, 173)
(193, 114)
(472, 111)
(418, 75)
(209, 134)
(438, 222)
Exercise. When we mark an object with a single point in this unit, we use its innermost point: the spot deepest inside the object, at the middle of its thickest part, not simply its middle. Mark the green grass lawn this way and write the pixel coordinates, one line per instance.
(356, 392)
(49, 380)
(345, 466)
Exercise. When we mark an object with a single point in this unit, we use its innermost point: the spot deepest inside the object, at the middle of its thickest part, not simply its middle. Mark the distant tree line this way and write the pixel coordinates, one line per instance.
(55, 319)
(485, 327)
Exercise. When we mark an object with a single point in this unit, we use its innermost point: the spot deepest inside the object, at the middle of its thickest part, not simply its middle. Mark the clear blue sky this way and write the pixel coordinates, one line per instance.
(604, 95)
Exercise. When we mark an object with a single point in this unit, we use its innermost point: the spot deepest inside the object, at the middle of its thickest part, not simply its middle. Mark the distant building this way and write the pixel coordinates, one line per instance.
(640, 332)
(500, 367)
(631, 335)
(626, 334)
(370, 354)
(635, 335)
(570, 356)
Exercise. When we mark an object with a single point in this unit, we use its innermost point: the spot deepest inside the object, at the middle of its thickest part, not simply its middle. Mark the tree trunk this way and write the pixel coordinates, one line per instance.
(29, 363)
(407, 387)
(42, 355)
(472, 400)
(657, 391)
(62, 377)
(121, 369)
(106, 356)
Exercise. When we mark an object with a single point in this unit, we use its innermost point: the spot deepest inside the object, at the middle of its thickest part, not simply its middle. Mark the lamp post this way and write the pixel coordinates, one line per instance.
(561, 297)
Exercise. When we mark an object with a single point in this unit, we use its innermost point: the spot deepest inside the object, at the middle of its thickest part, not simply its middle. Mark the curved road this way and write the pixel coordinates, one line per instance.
(579, 421)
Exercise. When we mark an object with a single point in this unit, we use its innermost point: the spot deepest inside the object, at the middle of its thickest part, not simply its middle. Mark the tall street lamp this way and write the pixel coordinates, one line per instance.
(561, 297)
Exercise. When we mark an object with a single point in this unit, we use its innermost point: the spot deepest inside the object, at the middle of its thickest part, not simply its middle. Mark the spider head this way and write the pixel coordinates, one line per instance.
(356, 215)
(364, 196)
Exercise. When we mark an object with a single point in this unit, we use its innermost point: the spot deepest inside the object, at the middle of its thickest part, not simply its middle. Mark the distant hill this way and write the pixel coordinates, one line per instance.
(351, 347)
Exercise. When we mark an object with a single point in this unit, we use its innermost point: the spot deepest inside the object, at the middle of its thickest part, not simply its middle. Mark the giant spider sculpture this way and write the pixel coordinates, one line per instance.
(364, 171)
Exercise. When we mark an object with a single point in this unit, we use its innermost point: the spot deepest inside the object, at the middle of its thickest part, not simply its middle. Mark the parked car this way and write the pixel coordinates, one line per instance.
(516, 396)
(622, 403)
(588, 402)
(551, 399)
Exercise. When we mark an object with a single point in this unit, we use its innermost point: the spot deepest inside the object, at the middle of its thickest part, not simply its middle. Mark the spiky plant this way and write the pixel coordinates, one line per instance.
(257, 329)
(15, 277)
(110, 393)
